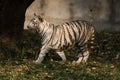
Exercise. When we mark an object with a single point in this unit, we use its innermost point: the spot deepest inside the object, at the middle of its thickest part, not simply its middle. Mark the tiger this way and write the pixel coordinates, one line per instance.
(73, 33)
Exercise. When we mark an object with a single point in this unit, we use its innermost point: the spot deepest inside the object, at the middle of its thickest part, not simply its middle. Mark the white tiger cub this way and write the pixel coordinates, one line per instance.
(74, 33)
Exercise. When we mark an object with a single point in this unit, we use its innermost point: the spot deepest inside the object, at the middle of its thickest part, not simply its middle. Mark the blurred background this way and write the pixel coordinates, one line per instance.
(15, 14)
(12, 17)
(103, 14)
(19, 47)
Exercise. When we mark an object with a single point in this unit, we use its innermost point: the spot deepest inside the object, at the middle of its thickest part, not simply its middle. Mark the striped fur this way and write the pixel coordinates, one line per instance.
(74, 33)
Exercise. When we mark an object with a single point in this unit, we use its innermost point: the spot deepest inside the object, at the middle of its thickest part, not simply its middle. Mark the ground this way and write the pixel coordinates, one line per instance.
(103, 64)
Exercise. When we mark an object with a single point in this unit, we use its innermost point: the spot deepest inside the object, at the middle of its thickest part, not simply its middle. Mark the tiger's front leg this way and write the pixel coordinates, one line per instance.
(41, 56)
(62, 55)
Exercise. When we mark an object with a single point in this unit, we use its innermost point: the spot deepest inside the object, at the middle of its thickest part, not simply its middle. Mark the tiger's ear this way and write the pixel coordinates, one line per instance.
(35, 14)
(40, 18)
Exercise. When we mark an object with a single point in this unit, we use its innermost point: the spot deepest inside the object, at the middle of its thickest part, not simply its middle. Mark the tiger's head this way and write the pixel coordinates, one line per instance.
(35, 22)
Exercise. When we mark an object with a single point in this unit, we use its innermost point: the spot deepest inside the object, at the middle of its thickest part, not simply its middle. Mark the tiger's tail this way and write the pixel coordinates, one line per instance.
(92, 41)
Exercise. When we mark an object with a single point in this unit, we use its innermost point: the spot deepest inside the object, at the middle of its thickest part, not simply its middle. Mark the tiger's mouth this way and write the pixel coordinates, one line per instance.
(29, 27)
(32, 30)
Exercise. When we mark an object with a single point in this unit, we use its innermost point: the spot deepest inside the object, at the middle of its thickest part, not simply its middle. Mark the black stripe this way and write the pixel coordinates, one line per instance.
(85, 33)
(59, 46)
(79, 22)
(78, 27)
(71, 26)
(82, 30)
(64, 34)
(41, 31)
(57, 39)
(69, 36)
(69, 32)
(51, 35)
(75, 23)
(74, 32)
(83, 48)
(67, 23)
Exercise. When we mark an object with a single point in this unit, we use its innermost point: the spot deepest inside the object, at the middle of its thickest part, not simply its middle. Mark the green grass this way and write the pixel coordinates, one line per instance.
(55, 70)
(103, 64)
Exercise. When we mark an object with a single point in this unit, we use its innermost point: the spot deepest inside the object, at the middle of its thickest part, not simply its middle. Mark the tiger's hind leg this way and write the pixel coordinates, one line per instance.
(83, 55)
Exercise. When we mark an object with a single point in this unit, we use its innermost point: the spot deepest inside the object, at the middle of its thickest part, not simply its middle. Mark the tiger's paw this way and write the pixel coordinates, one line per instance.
(75, 63)
(36, 62)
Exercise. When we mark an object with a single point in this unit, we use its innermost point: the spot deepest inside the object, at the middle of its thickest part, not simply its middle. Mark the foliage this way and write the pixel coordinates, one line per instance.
(103, 64)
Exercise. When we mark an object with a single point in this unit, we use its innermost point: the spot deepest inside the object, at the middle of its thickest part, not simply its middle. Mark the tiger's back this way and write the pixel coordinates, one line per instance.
(71, 33)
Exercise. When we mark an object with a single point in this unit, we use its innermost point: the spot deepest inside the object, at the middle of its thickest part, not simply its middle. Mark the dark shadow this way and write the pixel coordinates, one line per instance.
(12, 16)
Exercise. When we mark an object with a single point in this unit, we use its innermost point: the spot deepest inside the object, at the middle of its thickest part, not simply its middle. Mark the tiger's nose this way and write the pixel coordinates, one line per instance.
(28, 27)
